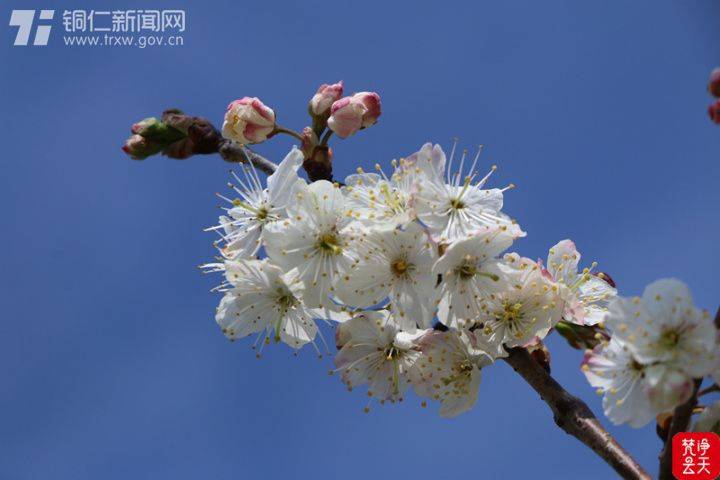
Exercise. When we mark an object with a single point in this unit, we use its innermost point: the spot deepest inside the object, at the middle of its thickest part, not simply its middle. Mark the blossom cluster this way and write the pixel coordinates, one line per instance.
(413, 268)
(660, 344)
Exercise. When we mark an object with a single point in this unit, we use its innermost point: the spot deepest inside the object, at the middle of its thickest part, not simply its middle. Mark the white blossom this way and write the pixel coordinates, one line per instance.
(454, 204)
(259, 297)
(375, 200)
(314, 239)
(255, 207)
(375, 352)
(524, 309)
(620, 378)
(588, 294)
(470, 270)
(664, 326)
(394, 263)
(449, 370)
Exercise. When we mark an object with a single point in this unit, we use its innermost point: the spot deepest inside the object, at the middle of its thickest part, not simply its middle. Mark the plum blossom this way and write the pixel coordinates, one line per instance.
(664, 326)
(449, 370)
(259, 297)
(666, 386)
(374, 351)
(314, 239)
(454, 206)
(375, 199)
(395, 263)
(588, 294)
(255, 206)
(248, 120)
(524, 309)
(471, 271)
(620, 378)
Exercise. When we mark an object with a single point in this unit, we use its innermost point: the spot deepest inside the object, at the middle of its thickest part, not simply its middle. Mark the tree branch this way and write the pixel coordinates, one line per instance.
(235, 153)
(574, 416)
(679, 423)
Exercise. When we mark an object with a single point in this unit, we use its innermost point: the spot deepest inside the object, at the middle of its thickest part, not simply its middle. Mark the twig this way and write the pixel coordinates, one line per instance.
(680, 421)
(574, 416)
(712, 388)
(234, 152)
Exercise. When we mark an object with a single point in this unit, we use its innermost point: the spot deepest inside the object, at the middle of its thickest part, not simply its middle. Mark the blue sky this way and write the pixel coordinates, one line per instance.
(111, 363)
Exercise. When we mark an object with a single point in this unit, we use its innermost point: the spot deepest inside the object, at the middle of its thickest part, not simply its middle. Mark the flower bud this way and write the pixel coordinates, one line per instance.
(714, 112)
(144, 126)
(309, 142)
(350, 114)
(139, 147)
(178, 120)
(371, 100)
(248, 120)
(326, 95)
(346, 117)
(714, 83)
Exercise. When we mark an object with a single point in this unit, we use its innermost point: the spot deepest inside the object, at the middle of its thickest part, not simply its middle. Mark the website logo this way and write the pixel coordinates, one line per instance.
(139, 28)
(24, 19)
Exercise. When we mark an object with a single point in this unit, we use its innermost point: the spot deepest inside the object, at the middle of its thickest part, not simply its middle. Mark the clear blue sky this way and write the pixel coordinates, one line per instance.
(111, 364)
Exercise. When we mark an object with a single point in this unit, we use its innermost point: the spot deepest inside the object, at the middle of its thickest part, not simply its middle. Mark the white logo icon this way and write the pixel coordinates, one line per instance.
(23, 19)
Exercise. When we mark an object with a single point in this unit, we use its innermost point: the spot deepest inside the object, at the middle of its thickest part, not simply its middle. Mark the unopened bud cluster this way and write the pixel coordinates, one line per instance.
(175, 135)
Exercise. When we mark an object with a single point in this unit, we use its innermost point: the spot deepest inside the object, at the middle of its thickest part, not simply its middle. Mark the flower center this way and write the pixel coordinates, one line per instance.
(262, 213)
(512, 313)
(467, 270)
(392, 353)
(329, 243)
(400, 267)
(285, 299)
(669, 338)
(457, 204)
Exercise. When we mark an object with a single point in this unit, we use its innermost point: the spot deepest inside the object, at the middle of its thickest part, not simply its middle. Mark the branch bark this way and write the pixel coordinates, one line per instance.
(235, 153)
(574, 416)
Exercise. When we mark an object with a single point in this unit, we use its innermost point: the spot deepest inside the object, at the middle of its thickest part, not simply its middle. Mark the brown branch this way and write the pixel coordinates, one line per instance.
(574, 416)
(712, 388)
(235, 153)
(679, 423)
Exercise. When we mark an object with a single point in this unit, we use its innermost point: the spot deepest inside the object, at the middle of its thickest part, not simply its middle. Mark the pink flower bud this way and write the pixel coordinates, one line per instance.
(371, 100)
(346, 117)
(714, 112)
(350, 114)
(714, 83)
(326, 95)
(248, 120)
(139, 147)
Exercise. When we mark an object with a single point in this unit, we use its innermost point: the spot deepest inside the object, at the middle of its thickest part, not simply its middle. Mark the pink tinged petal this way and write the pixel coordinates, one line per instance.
(248, 120)
(371, 101)
(346, 117)
(326, 94)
